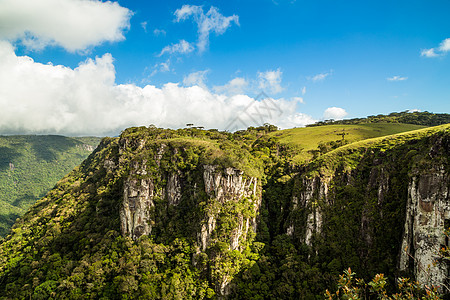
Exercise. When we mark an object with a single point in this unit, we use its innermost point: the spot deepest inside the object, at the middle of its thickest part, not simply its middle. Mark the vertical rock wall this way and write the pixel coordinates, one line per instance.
(428, 209)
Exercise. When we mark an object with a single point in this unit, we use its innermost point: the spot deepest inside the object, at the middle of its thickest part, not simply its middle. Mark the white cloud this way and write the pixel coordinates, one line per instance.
(429, 53)
(270, 81)
(442, 50)
(72, 24)
(304, 91)
(298, 99)
(144, 25)
(196, 78)
(212, 21)
(320, 76)
(182, 47)
(335, 113)
(158, 32)
(161, 68)
(445, 45)
(396, 78)
(235, 86)
(413, 110)
(45, 98)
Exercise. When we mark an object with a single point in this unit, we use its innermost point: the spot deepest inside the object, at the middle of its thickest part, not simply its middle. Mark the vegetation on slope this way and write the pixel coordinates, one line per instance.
(407, 117)
(31, 165)
(309, 142)
(358, 230)
(69, 244)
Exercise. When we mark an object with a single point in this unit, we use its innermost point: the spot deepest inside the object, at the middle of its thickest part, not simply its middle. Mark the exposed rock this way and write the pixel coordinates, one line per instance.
(229, 185)
(427, 210)
(135, 211)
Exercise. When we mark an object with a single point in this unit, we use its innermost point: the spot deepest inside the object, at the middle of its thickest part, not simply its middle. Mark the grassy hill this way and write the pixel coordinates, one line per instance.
(30, 165)
(307, 143)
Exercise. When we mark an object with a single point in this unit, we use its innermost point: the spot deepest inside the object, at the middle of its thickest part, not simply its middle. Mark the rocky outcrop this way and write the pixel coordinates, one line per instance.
(313, 191)
(427, 214)
(223, 186)
(138, 196)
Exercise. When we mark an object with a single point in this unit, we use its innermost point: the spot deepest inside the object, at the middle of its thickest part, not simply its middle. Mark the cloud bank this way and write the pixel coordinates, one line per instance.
(45, 98)
(72, 24)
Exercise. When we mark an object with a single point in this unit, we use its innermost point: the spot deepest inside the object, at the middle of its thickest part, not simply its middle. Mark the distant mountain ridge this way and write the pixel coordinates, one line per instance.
(30, 165)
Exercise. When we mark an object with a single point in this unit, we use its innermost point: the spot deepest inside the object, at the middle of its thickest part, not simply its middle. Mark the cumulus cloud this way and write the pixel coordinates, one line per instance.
(270, 81)
(182, 47)
(74, 25)
(196, 78)
(397, 78)
(235, 86)
(442, 50)
(45, 98)
(335, 113)
(320, 76)
(212, 21)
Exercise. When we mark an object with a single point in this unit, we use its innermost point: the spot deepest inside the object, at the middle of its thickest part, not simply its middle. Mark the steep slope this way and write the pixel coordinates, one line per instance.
(193, 214)
(377, 206)
(31, 165)
(154, 213)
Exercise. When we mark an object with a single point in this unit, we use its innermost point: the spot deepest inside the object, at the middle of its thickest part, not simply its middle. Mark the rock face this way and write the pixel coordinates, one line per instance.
(427, 215)
(222, 188)
(229, 185)
(138, 196)
(420, 196)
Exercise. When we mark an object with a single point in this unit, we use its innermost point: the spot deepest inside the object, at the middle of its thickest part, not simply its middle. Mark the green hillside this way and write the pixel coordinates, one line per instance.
(198, 214)
(307, 142)
(30, 166)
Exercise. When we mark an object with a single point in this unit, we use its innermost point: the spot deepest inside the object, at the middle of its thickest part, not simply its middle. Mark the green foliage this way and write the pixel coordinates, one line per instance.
(406, 117)
(31, 165)
(355, 288)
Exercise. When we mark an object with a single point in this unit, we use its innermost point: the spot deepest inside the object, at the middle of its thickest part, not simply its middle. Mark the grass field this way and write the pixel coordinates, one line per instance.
(306, 139)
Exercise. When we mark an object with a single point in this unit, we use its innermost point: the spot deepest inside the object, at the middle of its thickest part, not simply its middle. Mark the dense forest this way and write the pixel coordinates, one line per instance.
(30, 165)
(256, 214)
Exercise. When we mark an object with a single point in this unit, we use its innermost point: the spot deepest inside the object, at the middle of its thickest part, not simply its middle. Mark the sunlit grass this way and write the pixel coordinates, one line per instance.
(308, 138)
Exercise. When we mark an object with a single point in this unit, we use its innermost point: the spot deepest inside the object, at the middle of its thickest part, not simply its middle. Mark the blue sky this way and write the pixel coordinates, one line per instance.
(314, 59)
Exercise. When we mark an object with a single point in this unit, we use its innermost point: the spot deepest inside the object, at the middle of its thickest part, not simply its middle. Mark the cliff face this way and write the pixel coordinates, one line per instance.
(399, 200)
(218, 190)
(427, 216)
